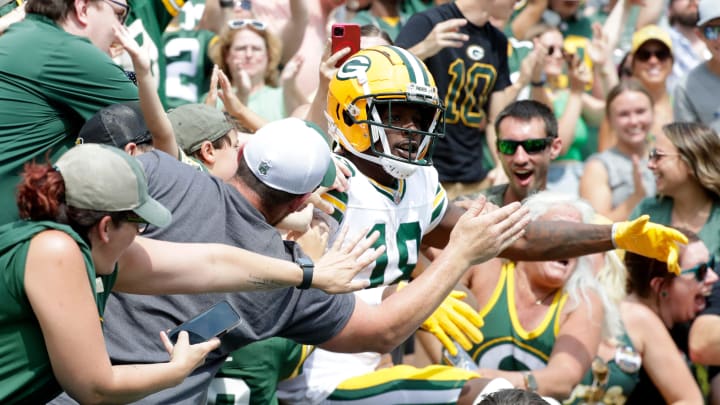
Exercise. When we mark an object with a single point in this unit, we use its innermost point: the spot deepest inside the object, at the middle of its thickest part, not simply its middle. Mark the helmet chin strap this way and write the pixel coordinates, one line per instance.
(397, 169)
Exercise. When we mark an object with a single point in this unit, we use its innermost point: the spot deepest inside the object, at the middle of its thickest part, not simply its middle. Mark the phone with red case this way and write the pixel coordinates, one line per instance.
(345, 35)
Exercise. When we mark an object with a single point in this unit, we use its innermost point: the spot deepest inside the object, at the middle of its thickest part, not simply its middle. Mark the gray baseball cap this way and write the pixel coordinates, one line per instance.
(104, 178)
(195, 123)
(290, 155)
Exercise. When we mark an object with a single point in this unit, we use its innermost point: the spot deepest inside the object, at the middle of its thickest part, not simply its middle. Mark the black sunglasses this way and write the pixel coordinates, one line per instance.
(136, 219)
(644, 55)
(531, 146)
(700, 271)
(552, 49)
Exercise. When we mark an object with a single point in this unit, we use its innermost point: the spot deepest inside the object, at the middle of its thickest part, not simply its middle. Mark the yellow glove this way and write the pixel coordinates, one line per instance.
(649, 239)
(454, 318)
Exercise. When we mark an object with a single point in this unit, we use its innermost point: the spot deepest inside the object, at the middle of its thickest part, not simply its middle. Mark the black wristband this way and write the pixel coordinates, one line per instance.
(227, 3)
(307, 267)
(541, 83)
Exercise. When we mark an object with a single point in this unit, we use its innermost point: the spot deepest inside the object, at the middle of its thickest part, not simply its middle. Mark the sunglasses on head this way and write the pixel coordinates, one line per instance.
(711, 32)
(531, 146)
(700, 271)
(136, 219)
(644, 55)
(237, 24)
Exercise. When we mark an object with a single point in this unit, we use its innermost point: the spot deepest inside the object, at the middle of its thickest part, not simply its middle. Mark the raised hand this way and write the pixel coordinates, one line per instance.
(444, 35)
(649, 239)
(336, 269)
(481, 235)
(139, 57)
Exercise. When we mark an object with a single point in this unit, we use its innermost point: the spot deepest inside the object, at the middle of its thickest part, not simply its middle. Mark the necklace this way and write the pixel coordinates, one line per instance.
(543, 299)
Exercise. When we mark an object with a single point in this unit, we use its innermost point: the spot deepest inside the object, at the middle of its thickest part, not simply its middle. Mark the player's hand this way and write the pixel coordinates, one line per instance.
(186, 356)
(335, 271)
(649, 239)
(457, 320)
(479, 236)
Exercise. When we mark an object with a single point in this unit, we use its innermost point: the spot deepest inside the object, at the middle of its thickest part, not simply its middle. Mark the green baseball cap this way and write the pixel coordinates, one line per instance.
(194, 124)
(104, 178)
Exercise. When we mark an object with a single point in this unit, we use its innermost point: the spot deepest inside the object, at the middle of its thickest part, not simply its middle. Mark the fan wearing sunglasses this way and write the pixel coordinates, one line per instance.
(527, 142)
(657, 301)
(249, 54)
(643, 363)
(652, 63)
(695, 97)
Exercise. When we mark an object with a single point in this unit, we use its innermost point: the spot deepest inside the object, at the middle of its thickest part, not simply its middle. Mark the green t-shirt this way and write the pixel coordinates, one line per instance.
(146, 23)
(46, 95)
(188, 69)
(8, 7)
(25, 369)
(660, 211)
(269, 103)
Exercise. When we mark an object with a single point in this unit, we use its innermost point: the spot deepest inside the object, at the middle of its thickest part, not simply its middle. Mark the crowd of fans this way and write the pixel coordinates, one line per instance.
(493, 201)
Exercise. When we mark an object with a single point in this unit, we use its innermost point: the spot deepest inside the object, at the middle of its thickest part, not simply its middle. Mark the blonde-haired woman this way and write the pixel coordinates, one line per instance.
(249, 54)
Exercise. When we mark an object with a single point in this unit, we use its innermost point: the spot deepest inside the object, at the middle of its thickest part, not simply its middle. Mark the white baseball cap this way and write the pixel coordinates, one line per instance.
(291, 155)
(105, 178)
(708, 10)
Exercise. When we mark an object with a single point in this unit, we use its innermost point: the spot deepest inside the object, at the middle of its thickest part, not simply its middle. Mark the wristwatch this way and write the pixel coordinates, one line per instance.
(227, 3)
(307, 267)
(530, 382)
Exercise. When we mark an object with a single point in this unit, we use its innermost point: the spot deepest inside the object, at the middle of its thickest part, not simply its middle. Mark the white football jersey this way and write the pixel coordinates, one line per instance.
(402, 216)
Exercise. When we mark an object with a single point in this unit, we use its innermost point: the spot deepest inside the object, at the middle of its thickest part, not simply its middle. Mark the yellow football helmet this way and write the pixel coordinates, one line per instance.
(360, 101)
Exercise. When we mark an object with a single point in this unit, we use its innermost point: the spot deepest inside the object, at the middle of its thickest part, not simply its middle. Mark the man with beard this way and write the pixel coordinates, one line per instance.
(688, 47)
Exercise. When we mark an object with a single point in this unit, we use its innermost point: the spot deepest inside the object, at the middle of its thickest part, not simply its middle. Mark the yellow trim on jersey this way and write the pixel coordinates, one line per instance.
(498, 290)
(304, 353)
(173, 7)
(389, 190)
(515, 320)
(339, 205)
(514, 341)
(405, 372)
(438, 198)
(561, 305)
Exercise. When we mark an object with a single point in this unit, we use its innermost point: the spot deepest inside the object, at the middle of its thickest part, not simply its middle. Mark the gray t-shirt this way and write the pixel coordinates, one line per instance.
(619, 169)
(695, 98)
(205, 209)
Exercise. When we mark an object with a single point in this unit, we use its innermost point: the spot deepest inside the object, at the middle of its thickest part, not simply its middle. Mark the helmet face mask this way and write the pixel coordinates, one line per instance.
(364, 102)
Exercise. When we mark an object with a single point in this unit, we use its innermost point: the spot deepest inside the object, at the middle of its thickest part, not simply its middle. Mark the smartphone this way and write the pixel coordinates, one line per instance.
(345, 35)
(216, 321)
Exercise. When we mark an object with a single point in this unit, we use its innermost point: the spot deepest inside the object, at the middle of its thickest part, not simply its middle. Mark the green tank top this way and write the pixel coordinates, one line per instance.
(25, 369)
(506, 344)
(623, 376)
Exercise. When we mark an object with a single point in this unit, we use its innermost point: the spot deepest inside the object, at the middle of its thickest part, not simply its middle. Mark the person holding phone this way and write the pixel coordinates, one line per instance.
(77, 243)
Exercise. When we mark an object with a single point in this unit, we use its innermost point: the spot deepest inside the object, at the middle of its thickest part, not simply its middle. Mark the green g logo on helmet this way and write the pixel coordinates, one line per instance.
(354, 68)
